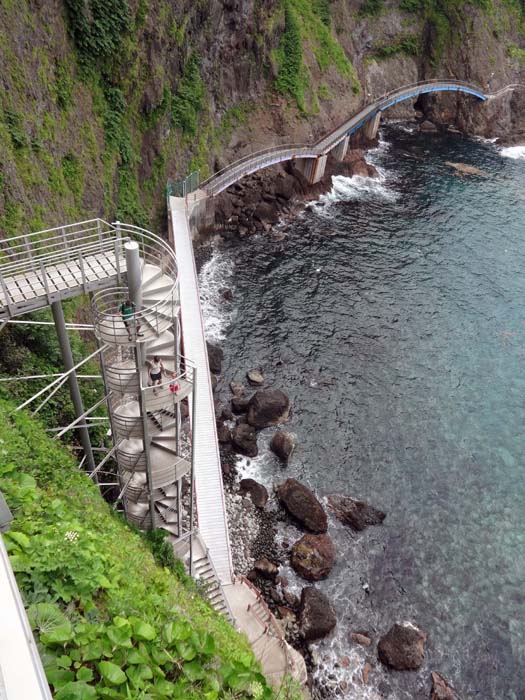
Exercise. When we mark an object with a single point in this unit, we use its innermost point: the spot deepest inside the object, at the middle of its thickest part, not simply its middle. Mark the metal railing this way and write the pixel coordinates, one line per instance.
(275, 154)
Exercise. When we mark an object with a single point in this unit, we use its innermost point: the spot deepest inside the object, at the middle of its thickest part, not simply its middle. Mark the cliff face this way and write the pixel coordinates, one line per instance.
(103, 100)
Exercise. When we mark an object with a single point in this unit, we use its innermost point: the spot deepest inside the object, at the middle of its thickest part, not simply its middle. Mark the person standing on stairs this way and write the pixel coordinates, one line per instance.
(127, 311)
(155, 372)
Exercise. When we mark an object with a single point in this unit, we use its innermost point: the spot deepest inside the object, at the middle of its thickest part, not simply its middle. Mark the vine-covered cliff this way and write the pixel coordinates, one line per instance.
(103, 100)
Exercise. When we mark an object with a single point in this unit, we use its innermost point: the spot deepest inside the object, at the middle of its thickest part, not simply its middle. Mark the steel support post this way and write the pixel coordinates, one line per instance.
(74, 389)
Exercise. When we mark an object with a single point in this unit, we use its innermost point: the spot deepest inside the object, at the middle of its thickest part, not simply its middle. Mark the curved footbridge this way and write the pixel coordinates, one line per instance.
(310, 159)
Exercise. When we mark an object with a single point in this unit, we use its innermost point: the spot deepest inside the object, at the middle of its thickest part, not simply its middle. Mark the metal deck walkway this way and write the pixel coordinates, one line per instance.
(211, 509)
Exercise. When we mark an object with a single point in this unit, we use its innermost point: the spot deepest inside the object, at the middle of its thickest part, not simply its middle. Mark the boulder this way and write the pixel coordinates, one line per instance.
(244, 440)
(291, 599)
(402, 647)
(301, 503)
(268, 407)
(226, 413)
(255, 377)
(316, 615)
(223, 433)
(361, 638)
(267, 212)
(256, 491)
(226, 294)
(428, 127)
(356, 514)
(240, 404)
(313, 557)
(282, 445)
(266, 568)
(441, 689)
(465, 169)
(214, 381)
(237, 388)
(215, 357)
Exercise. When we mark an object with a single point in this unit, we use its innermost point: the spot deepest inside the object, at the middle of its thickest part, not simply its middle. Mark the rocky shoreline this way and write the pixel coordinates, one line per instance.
(255, 515)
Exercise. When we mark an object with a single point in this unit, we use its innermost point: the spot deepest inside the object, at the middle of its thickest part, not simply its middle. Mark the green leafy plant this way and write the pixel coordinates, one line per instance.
(188, 100)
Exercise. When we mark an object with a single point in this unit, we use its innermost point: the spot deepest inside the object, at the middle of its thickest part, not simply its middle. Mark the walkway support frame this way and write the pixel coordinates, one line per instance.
(74, 388)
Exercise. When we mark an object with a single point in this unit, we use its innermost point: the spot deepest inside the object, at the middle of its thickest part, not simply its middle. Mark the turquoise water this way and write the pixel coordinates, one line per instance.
(393, 314)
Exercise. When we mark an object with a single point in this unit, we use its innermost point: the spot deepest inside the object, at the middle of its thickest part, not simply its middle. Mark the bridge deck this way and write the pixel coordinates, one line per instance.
(211, 509)
(26, 291)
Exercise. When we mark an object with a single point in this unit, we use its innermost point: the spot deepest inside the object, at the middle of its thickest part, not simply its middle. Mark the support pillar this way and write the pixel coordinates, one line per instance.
(312, 168)
(74, 389)
(372, 127)
(339, 151)
(134, 274)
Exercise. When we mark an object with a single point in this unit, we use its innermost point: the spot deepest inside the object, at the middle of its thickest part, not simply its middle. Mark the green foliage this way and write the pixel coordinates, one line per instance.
(323, 11)
(15, 128)
(63, 84)
(371, 8)
(290, 78)
(408, 45)
(98, 28)
(73, 175)
(189, 99)
(516, 53)
(108, 621)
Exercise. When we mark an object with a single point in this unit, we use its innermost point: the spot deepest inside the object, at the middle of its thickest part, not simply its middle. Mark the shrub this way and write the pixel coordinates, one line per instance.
(188, 100)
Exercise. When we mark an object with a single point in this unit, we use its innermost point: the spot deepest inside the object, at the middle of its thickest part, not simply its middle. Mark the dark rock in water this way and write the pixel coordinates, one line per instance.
(428, 127)
(287, 614)
(224, 435)
(226, 413)
(266, 568)
(237, 388)
(282, 445)
(255, 377)
(256, 491)
(214, 381)
(356, 514)
(316, 615)
(226, 294)
(240, 404)
(227, 469)
(402, 647)
(441, 689)
(361, 638)
(300, 502)
(313, 557)
(215, 356)
(244, 439)
(268, 407)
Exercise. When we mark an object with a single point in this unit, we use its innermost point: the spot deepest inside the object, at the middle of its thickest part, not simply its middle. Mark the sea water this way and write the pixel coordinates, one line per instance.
(393, 314)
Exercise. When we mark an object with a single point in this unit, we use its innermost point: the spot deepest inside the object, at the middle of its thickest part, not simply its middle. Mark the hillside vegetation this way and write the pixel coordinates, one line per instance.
(110, 622)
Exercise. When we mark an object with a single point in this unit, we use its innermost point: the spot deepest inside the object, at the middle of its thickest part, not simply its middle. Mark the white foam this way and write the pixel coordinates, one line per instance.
(514, 152)
(346, 189)
(215, 274)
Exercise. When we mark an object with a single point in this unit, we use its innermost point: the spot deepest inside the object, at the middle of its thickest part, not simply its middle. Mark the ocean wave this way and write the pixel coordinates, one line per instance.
(514, 152)
(346, 189)
(215, 274)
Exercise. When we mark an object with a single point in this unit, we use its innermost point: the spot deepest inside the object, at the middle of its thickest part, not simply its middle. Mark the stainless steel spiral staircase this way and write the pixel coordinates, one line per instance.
(152, 450)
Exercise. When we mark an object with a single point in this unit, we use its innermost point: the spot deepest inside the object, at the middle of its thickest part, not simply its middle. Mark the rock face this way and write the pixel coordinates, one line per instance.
(313, 557)
(215, 356)
(316, 615)
(427, 127)
(441, 690)
(255, 377)
(268, 407)
(356, 514)
(256, 491)
(301, 503)
(282, 445)
(244, 439)
(402, 647)
(237, 388)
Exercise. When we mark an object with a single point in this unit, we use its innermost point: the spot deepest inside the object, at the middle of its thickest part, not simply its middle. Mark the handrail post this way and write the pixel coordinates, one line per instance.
(99, 229)
(7, 295)
(45, 282)
(82, 271)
